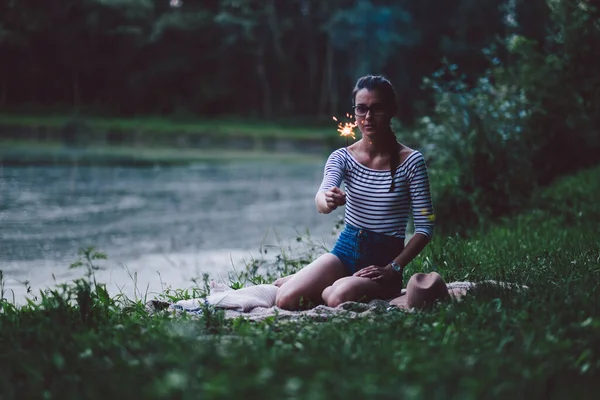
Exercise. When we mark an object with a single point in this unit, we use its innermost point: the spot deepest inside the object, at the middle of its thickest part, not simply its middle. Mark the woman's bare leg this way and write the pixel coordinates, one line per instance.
(354, 288)
(304, 288)
(282, 280)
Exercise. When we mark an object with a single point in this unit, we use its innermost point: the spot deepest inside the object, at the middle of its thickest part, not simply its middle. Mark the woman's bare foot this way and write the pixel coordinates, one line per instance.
(282, 280)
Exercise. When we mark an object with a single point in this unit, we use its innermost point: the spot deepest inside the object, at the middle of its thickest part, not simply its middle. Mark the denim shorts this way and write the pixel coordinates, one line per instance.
(359, 248)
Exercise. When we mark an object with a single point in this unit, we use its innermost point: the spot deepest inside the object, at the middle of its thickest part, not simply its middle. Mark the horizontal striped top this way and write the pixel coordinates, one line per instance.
(370, 205)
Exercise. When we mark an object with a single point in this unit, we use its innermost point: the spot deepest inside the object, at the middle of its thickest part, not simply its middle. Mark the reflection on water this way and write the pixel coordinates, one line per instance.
(177, 222)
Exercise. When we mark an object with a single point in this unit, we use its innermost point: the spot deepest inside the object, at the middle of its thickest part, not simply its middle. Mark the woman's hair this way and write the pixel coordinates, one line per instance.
(387, 91)
(383, 86)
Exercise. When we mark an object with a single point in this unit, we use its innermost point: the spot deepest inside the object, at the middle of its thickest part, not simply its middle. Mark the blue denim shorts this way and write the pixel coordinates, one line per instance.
(359, 248)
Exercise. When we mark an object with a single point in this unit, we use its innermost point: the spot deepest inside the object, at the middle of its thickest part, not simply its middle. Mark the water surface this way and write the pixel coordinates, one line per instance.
(167, 224)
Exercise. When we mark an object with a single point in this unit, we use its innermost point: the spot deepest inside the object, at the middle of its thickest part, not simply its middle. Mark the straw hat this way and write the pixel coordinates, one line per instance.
(422, 291)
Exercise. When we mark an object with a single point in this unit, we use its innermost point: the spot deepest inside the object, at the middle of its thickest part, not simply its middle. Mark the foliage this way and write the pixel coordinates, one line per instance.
(559, 77)
(253, 58)
(87, 257)
(476, 140)
(74, 340)
(288, 260)
(525, 121)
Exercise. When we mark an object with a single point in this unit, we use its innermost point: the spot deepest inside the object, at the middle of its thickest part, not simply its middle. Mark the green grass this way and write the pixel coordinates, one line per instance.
(53, 153)
(540, 343)
(89, 140)
(165, 125)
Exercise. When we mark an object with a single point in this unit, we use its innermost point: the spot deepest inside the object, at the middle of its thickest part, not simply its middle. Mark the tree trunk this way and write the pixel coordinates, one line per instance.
(313, 58)
(264, 82)
(34, 79)
(334, 92)
(313, 63)
(325, 98)
(76, 91)
(3, 92)
(282, 61)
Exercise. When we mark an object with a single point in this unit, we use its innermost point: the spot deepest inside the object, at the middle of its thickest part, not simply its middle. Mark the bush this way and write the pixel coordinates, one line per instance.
(476, 139)
(560, 80)
(525, 122)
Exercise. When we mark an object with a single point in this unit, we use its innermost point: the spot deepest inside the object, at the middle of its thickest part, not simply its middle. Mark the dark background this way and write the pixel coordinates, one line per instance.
(273, 59)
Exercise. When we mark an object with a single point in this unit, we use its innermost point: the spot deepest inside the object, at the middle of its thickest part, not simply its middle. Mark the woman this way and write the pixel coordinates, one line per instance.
(383, 180)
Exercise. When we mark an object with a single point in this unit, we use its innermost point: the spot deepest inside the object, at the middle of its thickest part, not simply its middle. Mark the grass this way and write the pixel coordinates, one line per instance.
(165, 125)
(91, 140)
(54, 153)
(77, 342)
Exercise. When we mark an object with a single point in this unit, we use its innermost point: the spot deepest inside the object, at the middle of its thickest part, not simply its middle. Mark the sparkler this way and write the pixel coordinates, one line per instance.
(346, 128)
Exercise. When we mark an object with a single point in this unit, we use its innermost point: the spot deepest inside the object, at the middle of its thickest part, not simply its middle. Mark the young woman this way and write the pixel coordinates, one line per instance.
(383, 181)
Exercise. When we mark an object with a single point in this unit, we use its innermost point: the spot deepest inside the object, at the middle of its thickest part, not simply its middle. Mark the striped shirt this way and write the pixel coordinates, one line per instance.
(369, 205)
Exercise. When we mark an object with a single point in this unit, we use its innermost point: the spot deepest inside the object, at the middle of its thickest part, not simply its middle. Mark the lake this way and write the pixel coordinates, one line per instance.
(168, 224)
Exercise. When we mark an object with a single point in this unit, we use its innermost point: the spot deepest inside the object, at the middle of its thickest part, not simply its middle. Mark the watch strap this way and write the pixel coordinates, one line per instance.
(396, 267)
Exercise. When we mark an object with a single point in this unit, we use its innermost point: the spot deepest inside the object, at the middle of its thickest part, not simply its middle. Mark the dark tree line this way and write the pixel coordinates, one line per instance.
(261, 58)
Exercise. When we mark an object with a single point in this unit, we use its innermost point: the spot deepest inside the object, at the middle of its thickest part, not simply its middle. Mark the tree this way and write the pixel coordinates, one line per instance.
(267, 58)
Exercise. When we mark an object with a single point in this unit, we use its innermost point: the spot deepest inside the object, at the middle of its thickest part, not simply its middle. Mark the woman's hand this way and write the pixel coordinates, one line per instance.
(378, 274)
(335, 197)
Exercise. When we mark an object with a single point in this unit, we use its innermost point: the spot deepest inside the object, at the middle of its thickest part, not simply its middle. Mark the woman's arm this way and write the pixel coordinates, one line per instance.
(422, 210)
(423, 217)
(329, 200)
(413, 248)
(330, 196)
(420, 198)
(321, 203)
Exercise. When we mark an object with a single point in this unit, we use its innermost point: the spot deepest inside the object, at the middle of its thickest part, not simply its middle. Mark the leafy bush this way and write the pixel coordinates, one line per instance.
(526, 121)
(560, 80)
(476, 139)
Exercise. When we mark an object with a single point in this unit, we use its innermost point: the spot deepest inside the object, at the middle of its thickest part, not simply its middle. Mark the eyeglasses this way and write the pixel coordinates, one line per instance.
(376, 109)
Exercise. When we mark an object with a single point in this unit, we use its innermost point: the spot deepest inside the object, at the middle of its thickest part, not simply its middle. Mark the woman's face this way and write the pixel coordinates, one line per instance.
(371, 113)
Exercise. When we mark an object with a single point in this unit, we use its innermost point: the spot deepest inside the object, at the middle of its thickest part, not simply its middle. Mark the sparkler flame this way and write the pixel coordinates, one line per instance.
(346, 129)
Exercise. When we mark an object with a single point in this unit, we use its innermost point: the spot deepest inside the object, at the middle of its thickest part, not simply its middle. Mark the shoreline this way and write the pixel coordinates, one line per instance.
(149, 141)
(28, 153)
(167, 125)
(84, 131)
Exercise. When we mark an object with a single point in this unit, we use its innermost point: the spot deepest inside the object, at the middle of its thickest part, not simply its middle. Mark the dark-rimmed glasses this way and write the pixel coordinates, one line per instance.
(361, 110)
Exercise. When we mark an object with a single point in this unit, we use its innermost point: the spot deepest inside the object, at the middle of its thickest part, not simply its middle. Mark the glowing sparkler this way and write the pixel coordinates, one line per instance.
(346, 129)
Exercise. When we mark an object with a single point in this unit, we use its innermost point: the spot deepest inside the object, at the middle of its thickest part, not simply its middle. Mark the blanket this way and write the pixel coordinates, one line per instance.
(258, 303)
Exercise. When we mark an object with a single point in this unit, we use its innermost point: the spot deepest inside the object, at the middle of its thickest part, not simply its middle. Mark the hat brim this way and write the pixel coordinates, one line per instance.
(402, 301)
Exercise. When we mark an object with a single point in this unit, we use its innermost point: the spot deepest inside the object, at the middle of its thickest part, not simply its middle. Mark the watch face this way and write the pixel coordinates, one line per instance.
(396, 267)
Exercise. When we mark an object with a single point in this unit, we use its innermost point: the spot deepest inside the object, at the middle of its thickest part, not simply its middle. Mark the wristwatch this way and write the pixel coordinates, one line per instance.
(396, 267)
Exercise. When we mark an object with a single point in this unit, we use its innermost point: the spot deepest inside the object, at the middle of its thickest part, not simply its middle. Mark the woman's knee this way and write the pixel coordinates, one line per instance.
(326, 293)
(336, 293)
(339, 295)
(343, 290)
(285, 300)
(291, 300)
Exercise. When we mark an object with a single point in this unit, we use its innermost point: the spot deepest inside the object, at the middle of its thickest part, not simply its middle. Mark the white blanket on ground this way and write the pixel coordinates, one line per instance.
(243, 300)
(258, 302)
